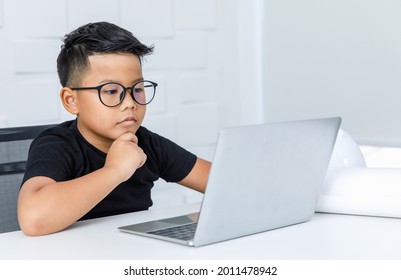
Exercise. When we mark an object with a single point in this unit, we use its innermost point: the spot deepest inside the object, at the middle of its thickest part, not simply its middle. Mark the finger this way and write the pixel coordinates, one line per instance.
(128, 136)
(142, 162)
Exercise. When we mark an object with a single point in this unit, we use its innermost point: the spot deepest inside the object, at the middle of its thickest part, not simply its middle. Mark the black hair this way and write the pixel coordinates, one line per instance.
(91, 39)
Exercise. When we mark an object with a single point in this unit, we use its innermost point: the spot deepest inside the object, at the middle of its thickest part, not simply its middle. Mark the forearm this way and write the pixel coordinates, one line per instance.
(197, 178)
(55, 206)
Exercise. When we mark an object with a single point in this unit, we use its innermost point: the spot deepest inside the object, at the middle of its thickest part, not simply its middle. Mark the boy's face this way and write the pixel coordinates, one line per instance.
(101, 125)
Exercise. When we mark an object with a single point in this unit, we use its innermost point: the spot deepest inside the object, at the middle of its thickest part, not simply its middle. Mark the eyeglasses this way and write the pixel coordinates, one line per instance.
(113, 94)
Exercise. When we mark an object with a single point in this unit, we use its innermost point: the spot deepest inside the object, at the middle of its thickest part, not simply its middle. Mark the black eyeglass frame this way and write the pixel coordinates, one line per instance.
(131, 89)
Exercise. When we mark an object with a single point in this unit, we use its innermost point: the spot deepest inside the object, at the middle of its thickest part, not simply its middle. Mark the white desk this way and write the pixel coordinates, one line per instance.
(326, 237)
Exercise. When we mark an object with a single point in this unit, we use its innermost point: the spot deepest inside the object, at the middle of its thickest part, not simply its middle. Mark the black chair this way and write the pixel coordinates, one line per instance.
(14, 147)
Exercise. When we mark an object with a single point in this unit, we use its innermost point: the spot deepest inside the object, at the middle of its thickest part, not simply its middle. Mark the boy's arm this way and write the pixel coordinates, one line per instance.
(197, 178)
(46, 206)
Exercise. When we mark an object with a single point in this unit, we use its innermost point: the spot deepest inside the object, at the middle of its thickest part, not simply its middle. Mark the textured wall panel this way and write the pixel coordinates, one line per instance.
(198, 124)
(165, 125)
(82, 12)
(158, 104)
(39, 18)
(4, 56)
(33, 102)
(3, 121)
(200, 14)
(4, 96)
(198, 88)
(190, 50)
(35, 56)
(151, 18)
(1, 13)
(162, 57)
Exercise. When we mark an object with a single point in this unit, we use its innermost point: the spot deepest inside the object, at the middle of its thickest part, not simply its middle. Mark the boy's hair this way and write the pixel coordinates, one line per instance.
(92, 39)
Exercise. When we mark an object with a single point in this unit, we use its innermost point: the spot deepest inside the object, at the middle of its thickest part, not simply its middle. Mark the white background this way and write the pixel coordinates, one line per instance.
(343, 57)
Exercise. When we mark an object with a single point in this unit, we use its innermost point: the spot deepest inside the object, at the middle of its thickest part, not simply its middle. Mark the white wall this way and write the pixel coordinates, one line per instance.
(343, 57)
(200, 56)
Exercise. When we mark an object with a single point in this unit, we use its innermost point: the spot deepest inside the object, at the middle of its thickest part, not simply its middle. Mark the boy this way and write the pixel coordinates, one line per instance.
(104, 162)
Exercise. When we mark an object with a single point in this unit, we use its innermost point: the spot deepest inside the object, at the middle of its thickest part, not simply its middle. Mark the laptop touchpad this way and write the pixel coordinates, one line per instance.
(148, 226)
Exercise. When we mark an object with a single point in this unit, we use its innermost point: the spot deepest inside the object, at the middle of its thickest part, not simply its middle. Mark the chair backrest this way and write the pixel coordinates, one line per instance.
(14, 147)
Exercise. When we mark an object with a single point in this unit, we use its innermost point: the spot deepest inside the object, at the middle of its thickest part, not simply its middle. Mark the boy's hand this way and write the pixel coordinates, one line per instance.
(125, 156)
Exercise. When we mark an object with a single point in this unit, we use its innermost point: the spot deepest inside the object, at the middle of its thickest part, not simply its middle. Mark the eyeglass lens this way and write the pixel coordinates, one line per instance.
(113, 94)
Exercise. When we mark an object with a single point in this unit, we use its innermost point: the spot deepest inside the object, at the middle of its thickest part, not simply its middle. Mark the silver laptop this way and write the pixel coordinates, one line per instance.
(263, 177)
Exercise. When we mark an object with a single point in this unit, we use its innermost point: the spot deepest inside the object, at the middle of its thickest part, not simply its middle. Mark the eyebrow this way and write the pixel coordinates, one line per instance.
(113, 81)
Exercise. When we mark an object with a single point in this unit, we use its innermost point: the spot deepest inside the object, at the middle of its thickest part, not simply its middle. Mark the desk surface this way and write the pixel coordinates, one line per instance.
(325, 236)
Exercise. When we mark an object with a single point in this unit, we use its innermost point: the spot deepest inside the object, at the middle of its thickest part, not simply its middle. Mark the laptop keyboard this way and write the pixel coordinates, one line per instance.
(183, 232)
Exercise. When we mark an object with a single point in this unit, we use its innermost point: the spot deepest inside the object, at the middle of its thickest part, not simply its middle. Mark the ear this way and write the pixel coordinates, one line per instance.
(68, 98)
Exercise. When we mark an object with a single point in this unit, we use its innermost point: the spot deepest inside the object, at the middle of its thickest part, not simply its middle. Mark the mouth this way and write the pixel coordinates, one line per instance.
(128, 121)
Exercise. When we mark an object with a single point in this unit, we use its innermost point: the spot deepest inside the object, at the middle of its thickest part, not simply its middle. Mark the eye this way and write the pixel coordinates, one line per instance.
(138, 90)
(111, 89)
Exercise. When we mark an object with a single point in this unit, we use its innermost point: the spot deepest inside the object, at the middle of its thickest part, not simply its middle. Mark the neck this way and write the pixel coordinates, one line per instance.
(101, 143)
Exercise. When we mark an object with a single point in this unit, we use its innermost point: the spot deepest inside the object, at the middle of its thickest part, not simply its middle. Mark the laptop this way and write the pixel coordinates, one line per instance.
(263, 177)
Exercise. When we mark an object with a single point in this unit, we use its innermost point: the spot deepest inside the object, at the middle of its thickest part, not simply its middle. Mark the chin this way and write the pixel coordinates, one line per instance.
(127, 129)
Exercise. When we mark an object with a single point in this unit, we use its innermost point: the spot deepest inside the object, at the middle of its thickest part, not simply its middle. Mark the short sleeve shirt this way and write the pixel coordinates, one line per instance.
(63, 154)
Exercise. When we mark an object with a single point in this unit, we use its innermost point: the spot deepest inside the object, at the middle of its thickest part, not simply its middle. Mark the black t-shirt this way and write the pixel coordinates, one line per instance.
(62, 153)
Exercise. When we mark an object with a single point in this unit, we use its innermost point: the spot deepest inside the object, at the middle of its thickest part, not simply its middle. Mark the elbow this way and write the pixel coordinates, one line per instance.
(33, 224)
(31, 227)
(33, 221)
(30, 231)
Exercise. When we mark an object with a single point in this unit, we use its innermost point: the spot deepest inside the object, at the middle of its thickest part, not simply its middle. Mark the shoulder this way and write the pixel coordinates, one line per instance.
(61, 131)
(62, 135)
(54, 153)
(173, 161)
(149, 138)
(143, 132)
(150, 141)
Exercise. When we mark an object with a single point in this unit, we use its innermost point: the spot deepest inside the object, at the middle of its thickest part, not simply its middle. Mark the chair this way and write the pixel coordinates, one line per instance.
(14, 147)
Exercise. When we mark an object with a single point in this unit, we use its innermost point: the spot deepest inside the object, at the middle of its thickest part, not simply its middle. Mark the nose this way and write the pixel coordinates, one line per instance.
(128, 101)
